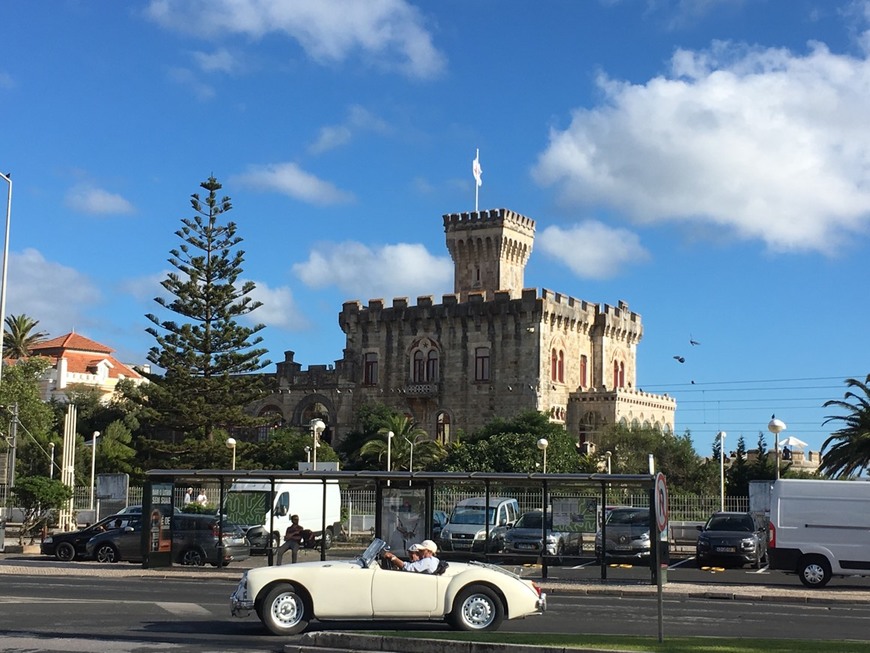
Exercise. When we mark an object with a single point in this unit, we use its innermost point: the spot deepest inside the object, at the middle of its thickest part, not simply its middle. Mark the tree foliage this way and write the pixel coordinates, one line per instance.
(207, 357)
(20, 336)
(849, 452)
(512, 446)
(38, 496)
(408, 438)
(20, 391)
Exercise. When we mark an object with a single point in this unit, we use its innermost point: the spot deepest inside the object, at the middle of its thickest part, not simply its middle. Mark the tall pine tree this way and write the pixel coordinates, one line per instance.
(207, 359)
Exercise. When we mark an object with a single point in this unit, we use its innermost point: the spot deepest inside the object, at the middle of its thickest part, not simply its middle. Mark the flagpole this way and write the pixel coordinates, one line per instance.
(475, 168)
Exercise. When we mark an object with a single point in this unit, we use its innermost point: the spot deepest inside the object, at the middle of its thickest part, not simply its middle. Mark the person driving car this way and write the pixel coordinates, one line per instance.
(426, 563)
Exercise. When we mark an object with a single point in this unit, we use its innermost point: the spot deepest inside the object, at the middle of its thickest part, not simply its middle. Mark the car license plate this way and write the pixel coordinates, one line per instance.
(622, 547)
(725, 549)
(525, 545)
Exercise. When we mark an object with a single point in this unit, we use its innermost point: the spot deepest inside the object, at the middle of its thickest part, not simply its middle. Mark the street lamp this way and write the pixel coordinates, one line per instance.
(231, 444)
(51, 465)
(542, 445)
(317, 427)
(776, 426)
(93, 463)
(390, 436)
(8, 179)
(608, 454)
(722, 435)
(411, 462)
(308, 453)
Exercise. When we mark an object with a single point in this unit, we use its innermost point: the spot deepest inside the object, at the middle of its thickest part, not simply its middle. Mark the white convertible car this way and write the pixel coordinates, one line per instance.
(469, 596)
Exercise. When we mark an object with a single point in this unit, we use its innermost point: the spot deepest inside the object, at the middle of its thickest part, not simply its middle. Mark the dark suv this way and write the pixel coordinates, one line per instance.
(195, 541)
(735, 537)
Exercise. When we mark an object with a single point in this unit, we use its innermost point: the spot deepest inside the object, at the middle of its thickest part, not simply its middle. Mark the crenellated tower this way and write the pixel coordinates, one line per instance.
(490, 250)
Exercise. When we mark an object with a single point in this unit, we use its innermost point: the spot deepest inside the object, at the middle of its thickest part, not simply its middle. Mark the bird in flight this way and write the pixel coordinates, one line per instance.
(679, 359)
(693, 342)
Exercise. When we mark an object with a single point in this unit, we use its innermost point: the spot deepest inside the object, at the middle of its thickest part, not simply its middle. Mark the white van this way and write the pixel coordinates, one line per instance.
(249, 504)
(820, 529)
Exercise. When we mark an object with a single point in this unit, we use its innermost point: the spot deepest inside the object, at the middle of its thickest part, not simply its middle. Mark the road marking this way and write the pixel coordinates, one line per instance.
(192, 609)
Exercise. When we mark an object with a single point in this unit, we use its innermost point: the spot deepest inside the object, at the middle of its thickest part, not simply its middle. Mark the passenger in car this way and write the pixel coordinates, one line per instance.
(426, 563)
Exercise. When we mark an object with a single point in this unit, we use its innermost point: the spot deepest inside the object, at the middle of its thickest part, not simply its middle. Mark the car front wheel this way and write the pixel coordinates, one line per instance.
(106, 553)
(193, 557)
(477, 608)
(284, 611)
(814, 571)
(65, 551)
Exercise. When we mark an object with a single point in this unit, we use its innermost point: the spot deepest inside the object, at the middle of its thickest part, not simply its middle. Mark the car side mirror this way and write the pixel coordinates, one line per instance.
(282, 510)
(700, 528)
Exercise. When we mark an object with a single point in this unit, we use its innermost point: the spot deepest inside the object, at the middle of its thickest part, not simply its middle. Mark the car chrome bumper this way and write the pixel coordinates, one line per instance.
(541, 604)
(240, 604)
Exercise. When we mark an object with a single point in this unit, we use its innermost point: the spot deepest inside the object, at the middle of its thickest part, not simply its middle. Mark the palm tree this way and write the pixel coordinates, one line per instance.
(19, 337)
(405, 432)
(850, 450)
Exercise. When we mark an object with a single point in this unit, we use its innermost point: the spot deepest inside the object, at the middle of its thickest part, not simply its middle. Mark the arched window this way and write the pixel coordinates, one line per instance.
(442, 427)
(554, 363)
(418, 371)
(615, 374)
(621, 375)
(584, 362)
(561, 370)
(432, 366)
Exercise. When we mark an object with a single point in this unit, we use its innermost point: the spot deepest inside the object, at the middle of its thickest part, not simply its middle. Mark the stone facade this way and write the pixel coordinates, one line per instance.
(491, 349)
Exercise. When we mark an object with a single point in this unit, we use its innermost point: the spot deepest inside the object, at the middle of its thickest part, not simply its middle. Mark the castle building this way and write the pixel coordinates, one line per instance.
(491, 349)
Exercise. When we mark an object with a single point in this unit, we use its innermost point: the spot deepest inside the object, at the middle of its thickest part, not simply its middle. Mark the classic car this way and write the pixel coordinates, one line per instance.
(469, 596)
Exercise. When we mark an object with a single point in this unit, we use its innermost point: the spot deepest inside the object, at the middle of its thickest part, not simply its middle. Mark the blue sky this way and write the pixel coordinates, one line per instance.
(706, 161)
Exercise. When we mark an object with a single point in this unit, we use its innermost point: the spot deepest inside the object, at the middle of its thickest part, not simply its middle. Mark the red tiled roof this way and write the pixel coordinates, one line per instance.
(78, 352)
(69, 341)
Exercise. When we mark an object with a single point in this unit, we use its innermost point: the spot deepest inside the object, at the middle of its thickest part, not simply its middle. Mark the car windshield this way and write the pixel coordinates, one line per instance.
(533, 520)
(638, 517)
(739, 523)
(372, 552)
(471, 515)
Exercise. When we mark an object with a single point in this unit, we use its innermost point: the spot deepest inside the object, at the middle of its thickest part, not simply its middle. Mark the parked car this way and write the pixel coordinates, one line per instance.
(439, 521)
(73, 545)
(627, 535)
(524, 538)
(469, 596)
(195, 540)
(732, 537)
(466, 527)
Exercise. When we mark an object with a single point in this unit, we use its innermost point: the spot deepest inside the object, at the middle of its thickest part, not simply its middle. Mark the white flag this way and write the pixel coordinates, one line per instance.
(475, 168)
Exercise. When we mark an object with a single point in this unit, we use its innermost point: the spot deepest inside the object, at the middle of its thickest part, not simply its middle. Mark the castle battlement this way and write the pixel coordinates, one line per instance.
(490, 218)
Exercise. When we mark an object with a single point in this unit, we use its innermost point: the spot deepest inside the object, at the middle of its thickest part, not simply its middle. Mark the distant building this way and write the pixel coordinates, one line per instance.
(81, 362)
(491, 349)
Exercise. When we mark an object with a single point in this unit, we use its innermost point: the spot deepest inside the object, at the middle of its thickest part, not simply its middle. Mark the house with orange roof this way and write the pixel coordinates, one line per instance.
(82, 362)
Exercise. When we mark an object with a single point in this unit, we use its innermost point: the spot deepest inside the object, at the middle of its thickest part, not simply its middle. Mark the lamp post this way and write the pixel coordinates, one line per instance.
(8, 179)
(317, 427)
(608, 454)
(390, 436)
(411, 461)
(51, 455)
(308, 454)
(542, 445)
(722, 435)
(776, 426)
(93, 464)
(231, 444)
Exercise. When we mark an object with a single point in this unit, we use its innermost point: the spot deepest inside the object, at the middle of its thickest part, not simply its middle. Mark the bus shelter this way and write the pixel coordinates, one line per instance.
(403, 508)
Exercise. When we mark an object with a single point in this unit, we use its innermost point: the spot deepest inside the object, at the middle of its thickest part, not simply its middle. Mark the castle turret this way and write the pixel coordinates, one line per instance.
(490, 250)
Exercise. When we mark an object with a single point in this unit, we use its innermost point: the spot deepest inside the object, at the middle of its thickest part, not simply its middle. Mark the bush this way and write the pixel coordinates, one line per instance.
(38, 497)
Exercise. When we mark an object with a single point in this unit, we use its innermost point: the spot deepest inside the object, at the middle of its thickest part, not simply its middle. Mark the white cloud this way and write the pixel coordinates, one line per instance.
(279, 308)
(762, 143)
(358, 120)
(361, 272)
(185, 77)
(145, 288)
(290, 179)
(387, 33)
(85, 198)
(591, 249)
(58, 296)
(220, 61)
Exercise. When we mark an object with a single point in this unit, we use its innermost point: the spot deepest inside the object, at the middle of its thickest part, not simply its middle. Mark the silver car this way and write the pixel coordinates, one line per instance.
(627, 535)
(525, 538)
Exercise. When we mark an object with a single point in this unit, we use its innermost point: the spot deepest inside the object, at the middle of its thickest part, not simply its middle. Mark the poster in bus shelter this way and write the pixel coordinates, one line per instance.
(157, 508)
(402, 518)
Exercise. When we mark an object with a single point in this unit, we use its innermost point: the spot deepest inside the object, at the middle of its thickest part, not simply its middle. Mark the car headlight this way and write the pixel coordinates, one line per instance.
(552, 539)
(480, 535)
(748, 543)
(645, 536)
(445, 532)
(47, 540)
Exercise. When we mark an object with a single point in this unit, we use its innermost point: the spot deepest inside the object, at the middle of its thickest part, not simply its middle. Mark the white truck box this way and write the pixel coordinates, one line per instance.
(251, 505)
(820, 529)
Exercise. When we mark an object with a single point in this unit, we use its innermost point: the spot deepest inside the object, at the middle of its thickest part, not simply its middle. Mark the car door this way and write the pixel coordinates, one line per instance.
(397, 593)
(129, 539)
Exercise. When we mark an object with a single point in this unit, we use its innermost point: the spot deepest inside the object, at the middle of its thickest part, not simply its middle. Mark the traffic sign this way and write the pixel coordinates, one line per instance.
(661, 501)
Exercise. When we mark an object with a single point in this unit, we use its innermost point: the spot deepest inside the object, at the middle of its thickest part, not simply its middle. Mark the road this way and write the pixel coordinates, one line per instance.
(73, 613)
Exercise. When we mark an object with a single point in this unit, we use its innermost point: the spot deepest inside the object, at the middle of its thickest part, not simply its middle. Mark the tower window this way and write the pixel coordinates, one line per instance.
(584, 363)
(481, 364)
(432, 366)
(418, 371)
(370, 369)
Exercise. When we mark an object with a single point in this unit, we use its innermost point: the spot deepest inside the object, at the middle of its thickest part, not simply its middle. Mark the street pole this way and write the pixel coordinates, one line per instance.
(722, 435)
(8, 178)
(93, 464)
